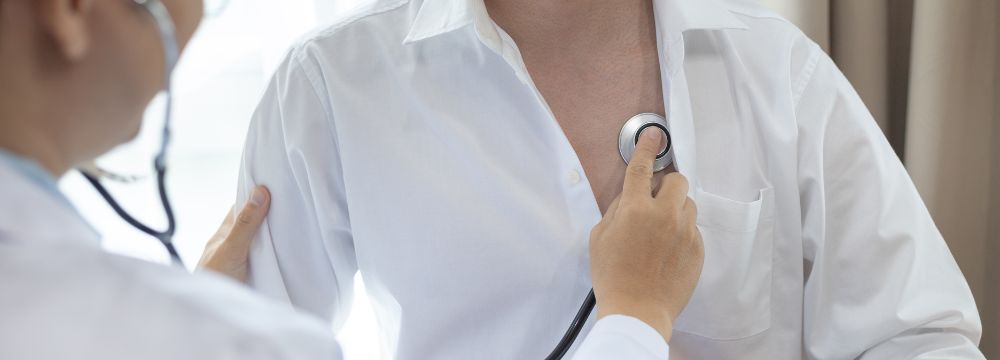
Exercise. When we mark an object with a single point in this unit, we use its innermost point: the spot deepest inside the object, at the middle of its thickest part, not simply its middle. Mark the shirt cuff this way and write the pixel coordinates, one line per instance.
(618, 335)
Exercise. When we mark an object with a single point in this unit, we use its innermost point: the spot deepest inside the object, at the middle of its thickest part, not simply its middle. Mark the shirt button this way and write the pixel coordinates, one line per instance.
(573, 176)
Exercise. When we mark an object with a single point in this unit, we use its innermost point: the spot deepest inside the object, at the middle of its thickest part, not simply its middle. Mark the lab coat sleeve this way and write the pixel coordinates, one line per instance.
(622, 337)
(303, 253)
(880, 281)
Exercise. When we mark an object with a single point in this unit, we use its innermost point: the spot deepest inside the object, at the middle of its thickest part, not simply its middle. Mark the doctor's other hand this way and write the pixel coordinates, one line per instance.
(646, 254)
(228, 250)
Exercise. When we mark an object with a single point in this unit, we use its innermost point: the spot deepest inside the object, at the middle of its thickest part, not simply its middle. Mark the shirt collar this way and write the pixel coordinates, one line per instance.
(27, 188)
(436, 17)
(34, 173)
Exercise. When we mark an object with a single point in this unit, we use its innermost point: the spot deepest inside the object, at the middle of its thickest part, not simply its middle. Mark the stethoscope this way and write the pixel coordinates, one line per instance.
(628, 137)
(93, 174)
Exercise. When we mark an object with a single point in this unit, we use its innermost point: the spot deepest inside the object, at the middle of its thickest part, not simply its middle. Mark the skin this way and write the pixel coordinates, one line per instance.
(228, 251)
(78, 75)
(605, 47)
(646, 254)
(609, 48)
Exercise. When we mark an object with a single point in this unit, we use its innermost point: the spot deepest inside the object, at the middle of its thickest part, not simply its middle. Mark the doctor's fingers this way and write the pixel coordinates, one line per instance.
(248, 221)
(228, 250)
(690, 210)
(673, 191)
(639, 173)
(609, 214)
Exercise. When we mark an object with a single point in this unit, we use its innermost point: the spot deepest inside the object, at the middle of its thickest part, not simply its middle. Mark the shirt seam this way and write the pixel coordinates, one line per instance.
(315, 85)
(315, 80)
(806, 75)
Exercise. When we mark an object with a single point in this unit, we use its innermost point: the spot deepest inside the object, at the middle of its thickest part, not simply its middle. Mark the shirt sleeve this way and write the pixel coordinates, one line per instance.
(304, 252)
(880, 281)
(622, 337)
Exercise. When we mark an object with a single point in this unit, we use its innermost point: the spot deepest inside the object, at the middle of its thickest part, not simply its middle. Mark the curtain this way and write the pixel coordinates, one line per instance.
(929, 71)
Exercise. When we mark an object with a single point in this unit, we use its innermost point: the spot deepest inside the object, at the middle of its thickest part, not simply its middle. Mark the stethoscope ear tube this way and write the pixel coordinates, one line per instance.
(171, 54)
(165, 237)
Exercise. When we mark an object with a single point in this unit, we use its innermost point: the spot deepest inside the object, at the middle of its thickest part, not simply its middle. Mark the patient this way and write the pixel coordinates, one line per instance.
(458, 153)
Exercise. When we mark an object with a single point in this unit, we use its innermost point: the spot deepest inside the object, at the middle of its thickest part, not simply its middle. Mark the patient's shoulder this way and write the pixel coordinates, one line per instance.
(768, 39)
(360, 32)
(760, 18)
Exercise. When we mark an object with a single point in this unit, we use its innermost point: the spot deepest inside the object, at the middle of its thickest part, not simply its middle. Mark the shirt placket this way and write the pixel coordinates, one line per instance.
(581, 203)
(676, 99)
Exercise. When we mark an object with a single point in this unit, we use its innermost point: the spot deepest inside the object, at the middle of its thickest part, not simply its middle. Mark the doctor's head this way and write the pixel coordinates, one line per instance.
(77, 75)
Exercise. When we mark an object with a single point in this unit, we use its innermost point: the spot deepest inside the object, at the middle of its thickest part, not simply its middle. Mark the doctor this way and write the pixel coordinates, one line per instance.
(77, 75)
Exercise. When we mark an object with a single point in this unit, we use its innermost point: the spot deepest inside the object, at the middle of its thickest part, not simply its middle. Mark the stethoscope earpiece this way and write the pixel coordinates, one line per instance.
(629, 136)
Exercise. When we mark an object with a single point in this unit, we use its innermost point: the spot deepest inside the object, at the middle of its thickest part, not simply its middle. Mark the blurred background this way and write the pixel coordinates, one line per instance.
(928, 69)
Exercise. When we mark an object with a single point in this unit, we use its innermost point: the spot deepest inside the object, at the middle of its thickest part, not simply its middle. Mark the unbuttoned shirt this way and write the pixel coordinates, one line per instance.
(408, 142)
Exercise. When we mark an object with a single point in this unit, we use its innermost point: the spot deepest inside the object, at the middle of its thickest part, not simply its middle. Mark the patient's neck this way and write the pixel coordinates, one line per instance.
(574, 25)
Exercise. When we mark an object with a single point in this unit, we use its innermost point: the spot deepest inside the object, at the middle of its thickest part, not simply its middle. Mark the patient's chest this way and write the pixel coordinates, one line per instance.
(591, 99)
(468, 193)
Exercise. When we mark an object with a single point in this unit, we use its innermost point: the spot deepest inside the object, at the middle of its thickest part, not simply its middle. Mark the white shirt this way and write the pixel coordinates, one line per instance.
(409, 142)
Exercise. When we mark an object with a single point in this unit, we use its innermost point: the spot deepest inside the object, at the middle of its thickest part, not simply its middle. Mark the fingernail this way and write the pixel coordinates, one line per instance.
(257, 198)
(653, 133)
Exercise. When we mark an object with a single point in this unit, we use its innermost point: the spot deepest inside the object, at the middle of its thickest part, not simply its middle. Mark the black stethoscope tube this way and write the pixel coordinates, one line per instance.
(165, 237)
(574, 328)
(165, 27)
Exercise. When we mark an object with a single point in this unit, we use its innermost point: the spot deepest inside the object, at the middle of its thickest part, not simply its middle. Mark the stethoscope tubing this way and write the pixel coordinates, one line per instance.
(171, 54)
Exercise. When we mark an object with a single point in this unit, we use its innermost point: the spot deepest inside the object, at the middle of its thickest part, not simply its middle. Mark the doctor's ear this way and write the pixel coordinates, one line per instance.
(66, 23)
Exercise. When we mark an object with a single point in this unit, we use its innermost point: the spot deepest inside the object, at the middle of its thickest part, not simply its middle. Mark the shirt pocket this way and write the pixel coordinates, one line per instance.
(733, 297)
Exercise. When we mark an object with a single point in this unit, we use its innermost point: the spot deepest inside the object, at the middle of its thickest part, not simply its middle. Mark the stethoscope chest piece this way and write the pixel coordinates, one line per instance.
(629, 136)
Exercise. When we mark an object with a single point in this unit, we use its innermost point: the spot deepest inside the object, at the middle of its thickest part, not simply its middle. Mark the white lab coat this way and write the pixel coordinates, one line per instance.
(408, 142)
(63, 297)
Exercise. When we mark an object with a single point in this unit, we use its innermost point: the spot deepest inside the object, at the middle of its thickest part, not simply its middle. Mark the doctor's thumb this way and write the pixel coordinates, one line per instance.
(227, 252)
(254, 210)
(249, 219)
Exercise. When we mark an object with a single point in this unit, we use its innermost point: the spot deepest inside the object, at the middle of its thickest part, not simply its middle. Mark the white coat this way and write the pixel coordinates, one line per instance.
(64, 297)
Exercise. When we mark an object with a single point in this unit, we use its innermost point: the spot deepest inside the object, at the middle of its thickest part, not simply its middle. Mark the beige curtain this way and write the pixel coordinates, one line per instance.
(929, 71)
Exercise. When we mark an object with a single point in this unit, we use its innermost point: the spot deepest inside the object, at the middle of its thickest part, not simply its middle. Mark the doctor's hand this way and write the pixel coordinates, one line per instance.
(646, 254)
(229, 249)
